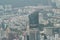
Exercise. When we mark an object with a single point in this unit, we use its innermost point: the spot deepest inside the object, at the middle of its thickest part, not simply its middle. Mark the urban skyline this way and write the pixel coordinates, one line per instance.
(29, 20)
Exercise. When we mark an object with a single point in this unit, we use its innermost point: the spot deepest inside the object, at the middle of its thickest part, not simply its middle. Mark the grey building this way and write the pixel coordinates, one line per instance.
(34, 34)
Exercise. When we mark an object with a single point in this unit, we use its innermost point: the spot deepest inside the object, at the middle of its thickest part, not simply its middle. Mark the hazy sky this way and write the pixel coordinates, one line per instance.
(21, 2)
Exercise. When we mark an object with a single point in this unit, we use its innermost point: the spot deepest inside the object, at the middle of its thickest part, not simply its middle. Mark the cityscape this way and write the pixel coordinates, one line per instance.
(32, 20)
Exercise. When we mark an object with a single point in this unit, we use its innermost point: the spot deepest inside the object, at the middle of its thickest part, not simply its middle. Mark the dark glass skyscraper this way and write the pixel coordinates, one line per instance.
(33, 20)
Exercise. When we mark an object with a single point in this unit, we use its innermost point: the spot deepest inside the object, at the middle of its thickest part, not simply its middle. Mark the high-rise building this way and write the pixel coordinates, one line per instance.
(34, 34)
(57, 3)
(33, 20)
